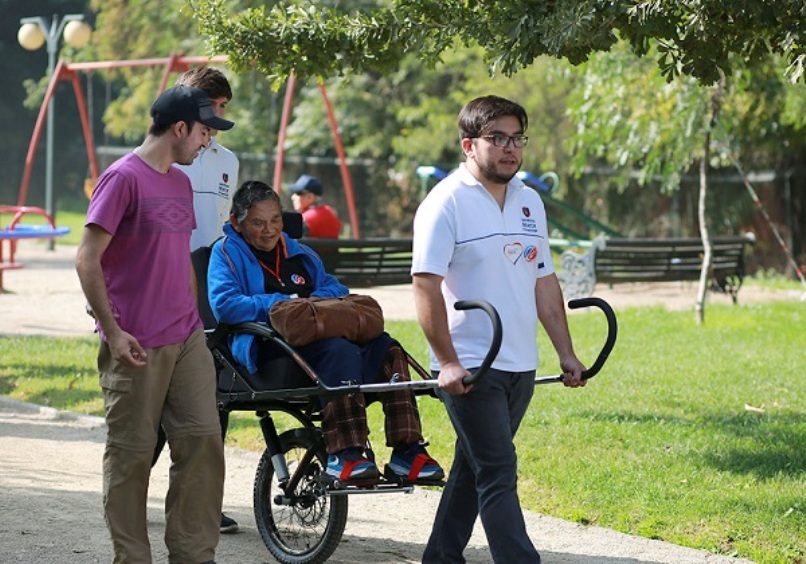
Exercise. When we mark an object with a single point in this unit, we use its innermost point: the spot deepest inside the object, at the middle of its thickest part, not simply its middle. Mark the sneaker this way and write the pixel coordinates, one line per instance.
(413, 463)
(351, 464)
(228, 525)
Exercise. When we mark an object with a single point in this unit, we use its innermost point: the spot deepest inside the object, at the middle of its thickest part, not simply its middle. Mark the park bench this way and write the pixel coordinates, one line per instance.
(612, 260)
(360, 263)
(15, 231)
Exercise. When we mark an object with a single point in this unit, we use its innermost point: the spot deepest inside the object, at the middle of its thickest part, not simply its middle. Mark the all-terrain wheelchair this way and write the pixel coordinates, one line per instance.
(299, 510)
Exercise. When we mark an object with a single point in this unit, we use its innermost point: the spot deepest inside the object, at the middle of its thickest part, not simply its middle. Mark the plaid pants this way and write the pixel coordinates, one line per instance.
(344, 423)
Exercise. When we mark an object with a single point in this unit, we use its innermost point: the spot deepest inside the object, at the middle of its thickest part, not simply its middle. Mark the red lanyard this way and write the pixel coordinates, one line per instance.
(276, 271)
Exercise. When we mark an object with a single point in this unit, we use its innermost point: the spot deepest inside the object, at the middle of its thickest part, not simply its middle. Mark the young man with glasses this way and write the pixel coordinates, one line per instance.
(481, 234)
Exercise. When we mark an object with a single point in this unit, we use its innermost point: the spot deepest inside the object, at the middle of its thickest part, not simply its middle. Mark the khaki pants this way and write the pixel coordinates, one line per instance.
(177, 387)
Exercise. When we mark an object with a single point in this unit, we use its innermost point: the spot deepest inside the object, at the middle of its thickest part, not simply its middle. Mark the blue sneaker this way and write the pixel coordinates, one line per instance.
(351, 464)
(413, 463)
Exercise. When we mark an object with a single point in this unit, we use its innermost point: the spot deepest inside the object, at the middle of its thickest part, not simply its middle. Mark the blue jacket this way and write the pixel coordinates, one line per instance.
(236, 290)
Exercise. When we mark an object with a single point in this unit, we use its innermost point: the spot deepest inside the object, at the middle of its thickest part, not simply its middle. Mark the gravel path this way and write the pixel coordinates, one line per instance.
(50, 468)
(50, 484)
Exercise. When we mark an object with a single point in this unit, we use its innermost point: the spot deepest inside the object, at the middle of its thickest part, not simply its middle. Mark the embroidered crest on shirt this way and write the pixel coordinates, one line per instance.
(298, 279)
(527, 223)
(530, 253)
(513, 252)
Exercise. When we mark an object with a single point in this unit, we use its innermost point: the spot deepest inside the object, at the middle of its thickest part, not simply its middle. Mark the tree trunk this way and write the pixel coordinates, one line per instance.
(702, 290)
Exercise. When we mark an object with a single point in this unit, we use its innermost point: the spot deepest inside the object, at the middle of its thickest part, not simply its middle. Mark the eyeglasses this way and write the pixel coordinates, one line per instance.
(518, 141)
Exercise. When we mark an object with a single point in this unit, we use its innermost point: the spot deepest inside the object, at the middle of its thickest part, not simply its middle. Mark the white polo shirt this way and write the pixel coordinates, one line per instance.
(214, 176)
(488, 254)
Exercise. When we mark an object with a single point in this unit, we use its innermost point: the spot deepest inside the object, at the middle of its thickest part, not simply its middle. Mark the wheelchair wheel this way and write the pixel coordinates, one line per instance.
(306, 528)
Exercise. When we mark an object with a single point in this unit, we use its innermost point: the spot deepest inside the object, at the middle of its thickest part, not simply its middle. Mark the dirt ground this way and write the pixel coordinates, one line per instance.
(50, 467)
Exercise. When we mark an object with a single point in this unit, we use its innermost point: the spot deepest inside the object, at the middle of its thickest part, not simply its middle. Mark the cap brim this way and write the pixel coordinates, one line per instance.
(218, 123)
(208, 118)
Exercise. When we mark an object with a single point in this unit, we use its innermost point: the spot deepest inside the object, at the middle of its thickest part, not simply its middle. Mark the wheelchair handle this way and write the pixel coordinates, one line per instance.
(610, 341)
(495, 345)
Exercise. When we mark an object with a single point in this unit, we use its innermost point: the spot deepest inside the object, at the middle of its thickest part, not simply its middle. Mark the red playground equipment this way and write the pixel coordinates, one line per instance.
(173, 64)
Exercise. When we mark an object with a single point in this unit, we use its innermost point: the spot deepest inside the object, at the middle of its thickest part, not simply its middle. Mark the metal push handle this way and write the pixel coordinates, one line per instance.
(495, 345)
(610, 341)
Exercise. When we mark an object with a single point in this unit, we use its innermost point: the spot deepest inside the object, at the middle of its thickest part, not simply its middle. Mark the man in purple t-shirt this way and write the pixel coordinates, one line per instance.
(135, 271)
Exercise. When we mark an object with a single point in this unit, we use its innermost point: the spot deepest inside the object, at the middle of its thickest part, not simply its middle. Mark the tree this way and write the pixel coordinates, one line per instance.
(694, 37)
(662, 130)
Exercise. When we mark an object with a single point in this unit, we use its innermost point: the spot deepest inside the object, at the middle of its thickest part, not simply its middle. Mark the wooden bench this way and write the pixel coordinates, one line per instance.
(614, 260)
(360, 263)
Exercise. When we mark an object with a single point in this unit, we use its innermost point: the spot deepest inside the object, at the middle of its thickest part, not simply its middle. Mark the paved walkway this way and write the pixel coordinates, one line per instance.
(50, 499)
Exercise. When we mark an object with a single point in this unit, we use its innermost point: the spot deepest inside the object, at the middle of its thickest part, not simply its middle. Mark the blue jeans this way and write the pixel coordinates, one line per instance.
(483, 478)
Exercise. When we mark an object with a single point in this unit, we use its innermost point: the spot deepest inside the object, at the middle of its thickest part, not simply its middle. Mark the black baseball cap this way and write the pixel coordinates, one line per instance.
(186, 103)
(306, 183)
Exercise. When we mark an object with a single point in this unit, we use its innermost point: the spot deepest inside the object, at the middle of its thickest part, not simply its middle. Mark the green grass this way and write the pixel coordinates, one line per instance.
(73, 220)
(692, 435)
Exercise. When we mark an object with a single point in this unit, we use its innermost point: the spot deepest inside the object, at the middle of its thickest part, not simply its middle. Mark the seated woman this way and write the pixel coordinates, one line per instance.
(256, 265)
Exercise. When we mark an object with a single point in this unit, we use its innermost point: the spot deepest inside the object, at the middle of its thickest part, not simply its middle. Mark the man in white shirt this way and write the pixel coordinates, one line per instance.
(214, 173)
(480, 234)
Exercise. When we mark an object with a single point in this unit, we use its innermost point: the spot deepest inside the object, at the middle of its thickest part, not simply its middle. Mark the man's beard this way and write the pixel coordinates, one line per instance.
(490, 172)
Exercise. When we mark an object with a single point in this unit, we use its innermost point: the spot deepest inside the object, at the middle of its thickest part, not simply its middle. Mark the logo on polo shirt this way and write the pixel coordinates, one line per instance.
(513, 252)
(530, 253)
(527, 224)
(298, 279)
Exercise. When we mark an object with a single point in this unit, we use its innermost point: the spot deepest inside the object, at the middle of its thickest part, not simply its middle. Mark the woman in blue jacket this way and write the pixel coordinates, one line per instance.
(254, 266)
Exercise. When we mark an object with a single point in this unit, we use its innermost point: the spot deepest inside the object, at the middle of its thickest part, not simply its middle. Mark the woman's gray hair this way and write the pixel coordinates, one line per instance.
(250, 193)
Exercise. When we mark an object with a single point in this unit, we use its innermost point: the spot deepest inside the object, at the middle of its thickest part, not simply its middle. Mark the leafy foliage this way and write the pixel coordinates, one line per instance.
(696, 37)
(642, 123)
(638, 122)
(124, 31)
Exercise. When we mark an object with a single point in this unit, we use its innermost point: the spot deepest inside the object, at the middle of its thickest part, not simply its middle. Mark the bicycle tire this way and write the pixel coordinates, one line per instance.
(308, 530)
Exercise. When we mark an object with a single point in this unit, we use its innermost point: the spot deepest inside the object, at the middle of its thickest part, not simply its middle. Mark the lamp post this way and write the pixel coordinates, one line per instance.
(33, 33)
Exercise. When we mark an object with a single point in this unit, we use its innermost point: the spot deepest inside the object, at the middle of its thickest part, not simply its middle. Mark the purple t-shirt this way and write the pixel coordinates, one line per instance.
(147, 264)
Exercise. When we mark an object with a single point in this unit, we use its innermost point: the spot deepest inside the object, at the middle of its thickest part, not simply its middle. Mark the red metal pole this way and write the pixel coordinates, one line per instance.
(284, 118)
(170, 65)
(85, 125)
(40, 122)
(345, 172)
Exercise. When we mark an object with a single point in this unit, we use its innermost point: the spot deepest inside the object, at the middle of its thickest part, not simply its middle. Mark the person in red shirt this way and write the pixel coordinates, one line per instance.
(320, 219)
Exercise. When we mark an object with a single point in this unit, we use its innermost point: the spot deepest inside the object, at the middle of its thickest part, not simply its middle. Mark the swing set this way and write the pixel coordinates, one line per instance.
(175, 63)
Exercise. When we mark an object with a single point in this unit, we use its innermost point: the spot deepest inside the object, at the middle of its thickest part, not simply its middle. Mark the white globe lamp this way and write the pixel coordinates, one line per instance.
(30, 36)
(77, 33)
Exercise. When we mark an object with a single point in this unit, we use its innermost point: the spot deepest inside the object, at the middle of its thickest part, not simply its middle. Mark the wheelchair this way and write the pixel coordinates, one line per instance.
(300, 511)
